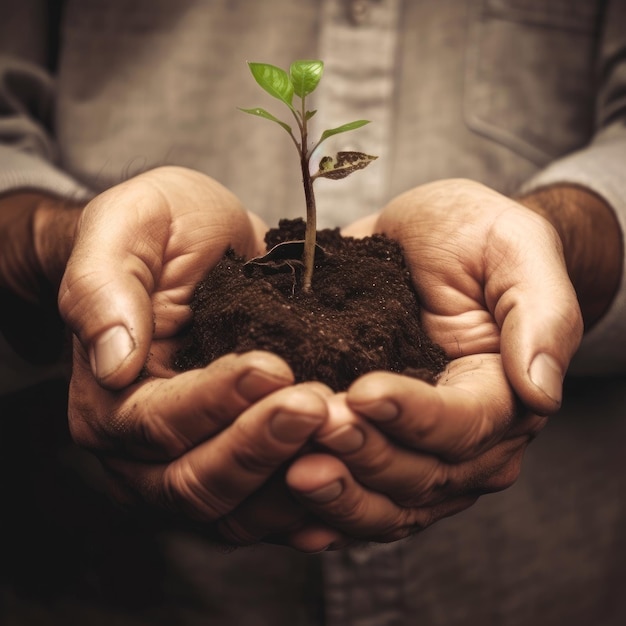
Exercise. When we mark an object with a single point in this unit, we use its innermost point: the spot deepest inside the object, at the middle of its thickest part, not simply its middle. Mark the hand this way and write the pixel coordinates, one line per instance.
(491, 278)
(139, 250)
(405, 454)
(205, 445)
(496, 296)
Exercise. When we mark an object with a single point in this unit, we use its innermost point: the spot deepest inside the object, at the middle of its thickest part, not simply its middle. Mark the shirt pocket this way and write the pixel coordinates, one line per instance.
(529, 76)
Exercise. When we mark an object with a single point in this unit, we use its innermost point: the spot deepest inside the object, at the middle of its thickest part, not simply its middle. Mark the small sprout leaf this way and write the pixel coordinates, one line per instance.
(342, 129)
(268, 116)
(274, 80)
(305, 76)
(300, 80)
(344, 164)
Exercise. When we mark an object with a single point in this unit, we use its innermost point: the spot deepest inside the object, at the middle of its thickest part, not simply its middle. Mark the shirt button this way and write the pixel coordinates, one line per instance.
(358, 11)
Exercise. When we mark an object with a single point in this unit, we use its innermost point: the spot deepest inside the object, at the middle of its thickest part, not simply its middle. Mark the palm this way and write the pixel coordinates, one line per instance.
(460, 261)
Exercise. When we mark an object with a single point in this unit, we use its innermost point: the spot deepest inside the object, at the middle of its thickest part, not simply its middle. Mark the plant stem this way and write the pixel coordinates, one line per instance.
(311, 226)
(310, 236)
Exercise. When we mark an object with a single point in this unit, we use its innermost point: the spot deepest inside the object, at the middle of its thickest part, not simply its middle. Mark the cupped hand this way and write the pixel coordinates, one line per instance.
(403, 454)
(496, 296)
(140, 248)
(207, 445)
(491, 278)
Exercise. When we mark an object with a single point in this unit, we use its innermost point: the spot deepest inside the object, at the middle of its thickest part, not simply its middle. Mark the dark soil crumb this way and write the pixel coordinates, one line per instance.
(361, 315)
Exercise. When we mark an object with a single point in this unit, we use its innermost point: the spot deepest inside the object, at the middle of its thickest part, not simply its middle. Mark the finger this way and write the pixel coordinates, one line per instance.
(411, 478)
(273, 515)
(362, 227)
(317, 537)
(161, 419)
(260, 228)
(509, 263)
(328, 489)
(215, 477)
(406, 476)
(470, 409)
(536, 307)
(269, 514)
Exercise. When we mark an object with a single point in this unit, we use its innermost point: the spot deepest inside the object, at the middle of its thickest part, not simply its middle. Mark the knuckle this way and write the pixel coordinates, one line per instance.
(255, 459)
(536, 424)
(347, 510)
(413, 521)
(506, 476)
(478, 436)
(183, 491)
(510, 474)
(161, 437)
(427, 423)
(427, 486)
(377, 462)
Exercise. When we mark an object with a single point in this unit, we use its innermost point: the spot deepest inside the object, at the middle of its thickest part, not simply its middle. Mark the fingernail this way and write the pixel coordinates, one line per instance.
(325, 494)
(256, 384)
(293, 428)
(381, 410)
(110, 350)
(546, 374)
(346, 439)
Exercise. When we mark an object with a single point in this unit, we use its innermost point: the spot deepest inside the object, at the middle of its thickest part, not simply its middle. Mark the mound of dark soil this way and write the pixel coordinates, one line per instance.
(361, 315)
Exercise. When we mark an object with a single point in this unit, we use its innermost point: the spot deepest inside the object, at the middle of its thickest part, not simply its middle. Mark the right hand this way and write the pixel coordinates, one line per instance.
(139, 250)
(196, 444)
(206, 447)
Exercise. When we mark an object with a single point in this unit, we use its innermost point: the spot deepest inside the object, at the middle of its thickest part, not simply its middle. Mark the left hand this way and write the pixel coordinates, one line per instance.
(495, 294)
(491, 278)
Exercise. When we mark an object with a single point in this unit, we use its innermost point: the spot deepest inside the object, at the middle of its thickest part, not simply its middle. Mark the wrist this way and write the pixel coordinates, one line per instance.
(36, 237)
(592, 243)
(54, 229)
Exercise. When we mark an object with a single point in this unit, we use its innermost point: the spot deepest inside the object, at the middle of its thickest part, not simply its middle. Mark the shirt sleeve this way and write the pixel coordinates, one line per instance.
(601, 167)
(29, 155)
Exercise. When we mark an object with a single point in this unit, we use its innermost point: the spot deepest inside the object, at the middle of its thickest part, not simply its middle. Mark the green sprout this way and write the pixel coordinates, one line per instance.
(301, 81)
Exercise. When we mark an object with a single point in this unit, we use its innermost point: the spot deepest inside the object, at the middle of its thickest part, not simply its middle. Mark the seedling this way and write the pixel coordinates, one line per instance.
(301, 80)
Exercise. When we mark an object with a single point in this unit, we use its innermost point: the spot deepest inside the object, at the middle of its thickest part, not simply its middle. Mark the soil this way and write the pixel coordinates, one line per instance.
(362, 313)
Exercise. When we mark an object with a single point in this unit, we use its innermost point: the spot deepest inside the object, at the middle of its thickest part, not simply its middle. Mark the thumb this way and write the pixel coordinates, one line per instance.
(537, 345)
(541, 327)
(139, 250)
(105, 293)
(110, 312)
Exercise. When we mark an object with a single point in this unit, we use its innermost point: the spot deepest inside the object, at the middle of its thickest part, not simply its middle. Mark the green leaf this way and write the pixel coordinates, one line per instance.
(273, 80)
(305, 76)
(342, 129)
(310, 114)
(268, 116)
(343, 164)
